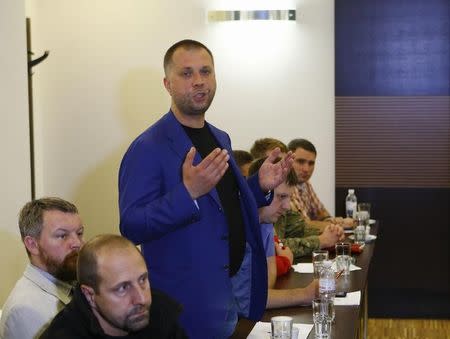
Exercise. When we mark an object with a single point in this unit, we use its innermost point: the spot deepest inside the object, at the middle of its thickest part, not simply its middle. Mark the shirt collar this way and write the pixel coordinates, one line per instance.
(48, 283)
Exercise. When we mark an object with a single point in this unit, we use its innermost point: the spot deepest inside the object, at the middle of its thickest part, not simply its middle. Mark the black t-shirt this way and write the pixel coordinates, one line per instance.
(228, 191)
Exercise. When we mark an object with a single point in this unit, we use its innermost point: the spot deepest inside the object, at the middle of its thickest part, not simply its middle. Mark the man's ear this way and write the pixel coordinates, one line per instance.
(167, 85)
(31, 244)
(89, 294)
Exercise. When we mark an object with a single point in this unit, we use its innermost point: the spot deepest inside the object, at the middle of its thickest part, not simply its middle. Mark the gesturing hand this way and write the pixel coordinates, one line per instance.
(273, 174)
(200, 179)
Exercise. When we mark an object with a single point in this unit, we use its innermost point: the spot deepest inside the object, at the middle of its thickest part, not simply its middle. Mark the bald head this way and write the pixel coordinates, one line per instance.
(92, 253)
(113, 278)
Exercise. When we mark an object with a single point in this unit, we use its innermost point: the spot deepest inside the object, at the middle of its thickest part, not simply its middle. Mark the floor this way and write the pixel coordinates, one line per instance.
(408, 329)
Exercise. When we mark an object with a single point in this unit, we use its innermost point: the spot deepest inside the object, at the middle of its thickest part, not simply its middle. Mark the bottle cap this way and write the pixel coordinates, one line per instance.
(351, 191)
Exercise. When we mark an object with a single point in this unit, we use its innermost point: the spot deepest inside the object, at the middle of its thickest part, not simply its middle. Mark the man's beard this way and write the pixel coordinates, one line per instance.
(128, 324)
(65, 270)
(187, 106)
(136, 324)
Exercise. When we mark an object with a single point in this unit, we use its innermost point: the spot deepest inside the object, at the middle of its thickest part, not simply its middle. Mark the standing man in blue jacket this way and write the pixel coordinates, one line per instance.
(182, 197)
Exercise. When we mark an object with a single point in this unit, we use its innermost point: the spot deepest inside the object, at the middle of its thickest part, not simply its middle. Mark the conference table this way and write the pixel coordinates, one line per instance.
(351, 321)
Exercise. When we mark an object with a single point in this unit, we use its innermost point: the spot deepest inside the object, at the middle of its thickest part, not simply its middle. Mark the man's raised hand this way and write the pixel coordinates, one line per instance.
(200, 179)
(273, 174)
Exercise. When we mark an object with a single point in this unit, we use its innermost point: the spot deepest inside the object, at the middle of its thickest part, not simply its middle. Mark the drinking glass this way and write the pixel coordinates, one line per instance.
(343, 257)
(318, 257)
(360, 235)
(363, 213)
(322, 316)
(362, 218)
(281, 327)
(364, 206)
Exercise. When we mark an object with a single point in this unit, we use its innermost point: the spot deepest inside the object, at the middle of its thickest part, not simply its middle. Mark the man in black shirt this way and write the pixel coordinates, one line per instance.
(183, 199)
(113, 298)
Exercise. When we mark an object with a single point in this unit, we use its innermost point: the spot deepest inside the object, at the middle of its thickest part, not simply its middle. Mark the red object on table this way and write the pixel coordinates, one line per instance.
(283, 263)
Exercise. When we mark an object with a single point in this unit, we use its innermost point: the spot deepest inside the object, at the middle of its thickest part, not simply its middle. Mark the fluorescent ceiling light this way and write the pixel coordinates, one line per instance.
(283, 14)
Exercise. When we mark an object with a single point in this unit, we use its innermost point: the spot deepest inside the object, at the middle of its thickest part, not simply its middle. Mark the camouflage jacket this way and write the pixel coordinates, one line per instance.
(294, 232)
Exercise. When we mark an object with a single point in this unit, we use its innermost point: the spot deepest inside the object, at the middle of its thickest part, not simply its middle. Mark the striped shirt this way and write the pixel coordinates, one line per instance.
(305, 201)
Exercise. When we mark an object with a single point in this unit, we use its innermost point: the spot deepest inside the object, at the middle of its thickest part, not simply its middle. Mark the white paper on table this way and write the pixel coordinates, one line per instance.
(262, 330)
(352, 298)
(303, 268)
(308, 267)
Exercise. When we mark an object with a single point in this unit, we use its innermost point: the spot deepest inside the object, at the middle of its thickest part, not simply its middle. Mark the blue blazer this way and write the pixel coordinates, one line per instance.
(185, 244)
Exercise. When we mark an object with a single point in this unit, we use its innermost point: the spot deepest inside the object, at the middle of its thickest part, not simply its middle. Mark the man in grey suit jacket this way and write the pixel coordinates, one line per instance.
(52, 233)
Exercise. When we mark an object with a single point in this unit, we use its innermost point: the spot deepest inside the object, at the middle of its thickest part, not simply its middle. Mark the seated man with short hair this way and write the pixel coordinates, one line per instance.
(113, 298)
(282, 255)
(52, 233)
(301, 236)
(305, 200)
(261, 148)
(267, 216)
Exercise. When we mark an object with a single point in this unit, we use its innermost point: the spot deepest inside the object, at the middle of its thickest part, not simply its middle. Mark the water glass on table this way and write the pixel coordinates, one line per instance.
(281, 327)
(362, 218)
(322, 316)
(343, 257)
(364, 206)
(360, 235)
(318, 257)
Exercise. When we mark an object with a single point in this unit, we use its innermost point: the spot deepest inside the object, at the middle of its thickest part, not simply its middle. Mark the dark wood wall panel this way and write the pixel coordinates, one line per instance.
(409, 272)
(392, 67)
(392, 141)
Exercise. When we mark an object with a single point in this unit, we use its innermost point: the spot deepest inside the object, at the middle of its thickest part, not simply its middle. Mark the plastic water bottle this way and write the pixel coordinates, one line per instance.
(350, 204)
(327, 285)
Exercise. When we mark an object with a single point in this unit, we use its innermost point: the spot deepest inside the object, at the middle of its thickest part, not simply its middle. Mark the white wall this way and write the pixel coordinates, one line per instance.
(102, 85)
(14, 141)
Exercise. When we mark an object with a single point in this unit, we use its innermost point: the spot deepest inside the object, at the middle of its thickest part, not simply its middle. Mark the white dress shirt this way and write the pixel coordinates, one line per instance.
(32, 304)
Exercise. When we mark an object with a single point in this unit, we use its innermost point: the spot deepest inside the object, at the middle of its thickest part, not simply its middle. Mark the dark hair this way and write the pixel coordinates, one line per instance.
(87, 268)
(242, 157)
(291, 178)
(261, 146)
(302, 143)
(31, 216)
(187, 44)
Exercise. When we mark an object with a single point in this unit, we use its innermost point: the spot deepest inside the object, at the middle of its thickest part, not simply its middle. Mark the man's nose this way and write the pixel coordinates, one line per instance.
(141, 295)
(76, 241)
(197, 79)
